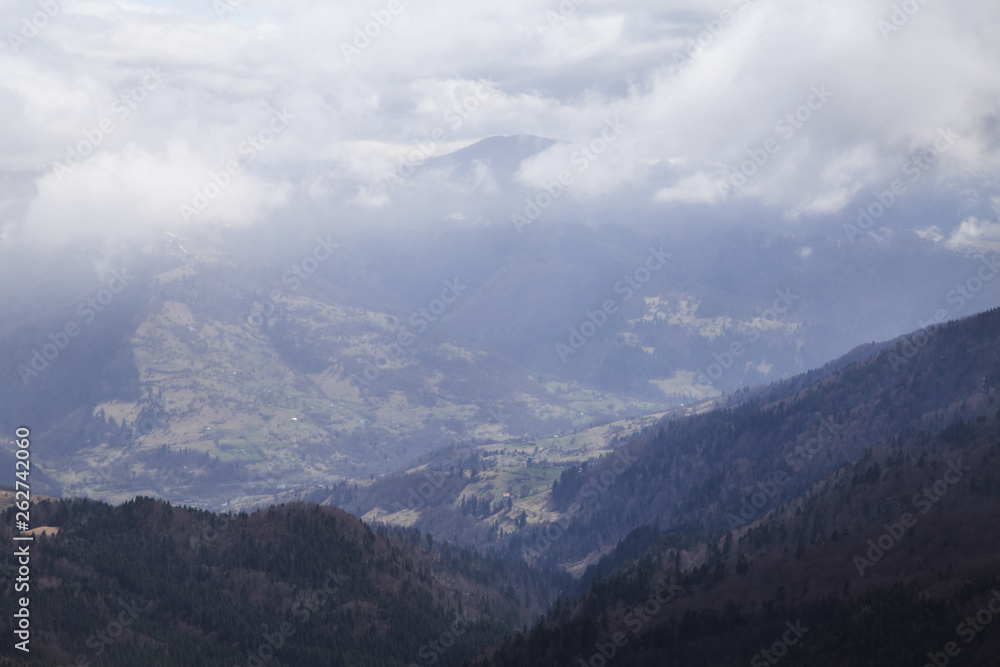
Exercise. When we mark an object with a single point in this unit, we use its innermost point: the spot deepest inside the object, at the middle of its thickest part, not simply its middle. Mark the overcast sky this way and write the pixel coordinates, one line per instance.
(178, 87)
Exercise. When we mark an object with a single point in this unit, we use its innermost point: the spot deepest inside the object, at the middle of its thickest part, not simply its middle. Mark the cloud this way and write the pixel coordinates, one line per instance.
(932, 233)
(700, 90)
(696, 188)
(975, 235)
(138, 189)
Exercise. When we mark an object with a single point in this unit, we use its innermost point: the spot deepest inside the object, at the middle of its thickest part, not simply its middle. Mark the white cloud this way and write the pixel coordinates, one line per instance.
(696, 188)
(605, 60)
(932, 233)
(975, 235)
(135, 190)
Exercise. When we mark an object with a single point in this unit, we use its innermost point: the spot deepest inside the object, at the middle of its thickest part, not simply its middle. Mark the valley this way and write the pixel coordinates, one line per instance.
(567, 334)
(856, 494)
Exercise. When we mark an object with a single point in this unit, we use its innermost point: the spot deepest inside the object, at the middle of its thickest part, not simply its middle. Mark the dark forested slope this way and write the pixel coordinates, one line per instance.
(147, 583)
(697, 474)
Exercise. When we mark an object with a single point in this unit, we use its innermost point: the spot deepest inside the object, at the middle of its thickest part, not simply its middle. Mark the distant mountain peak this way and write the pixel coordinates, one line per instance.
(503, 153)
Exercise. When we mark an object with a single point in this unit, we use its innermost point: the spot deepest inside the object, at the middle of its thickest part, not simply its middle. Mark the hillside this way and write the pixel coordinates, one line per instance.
(215, 384)
(237, 365)
(564, 334)
(852, 507)
(694, 474)
(879, 567)
(887, 558)
(458, 492)
(692, 468)
(193, 588)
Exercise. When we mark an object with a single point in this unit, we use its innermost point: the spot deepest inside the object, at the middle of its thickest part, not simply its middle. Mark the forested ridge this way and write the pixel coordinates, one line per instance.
(854, 508)
(211, 589)
(885, 560)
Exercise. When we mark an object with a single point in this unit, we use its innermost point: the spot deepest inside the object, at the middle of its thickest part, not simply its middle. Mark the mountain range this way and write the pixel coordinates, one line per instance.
(227, 366)
(842, 515)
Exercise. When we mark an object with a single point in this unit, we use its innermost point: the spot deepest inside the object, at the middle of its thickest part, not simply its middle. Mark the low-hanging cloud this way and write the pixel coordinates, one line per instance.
(700, 87)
